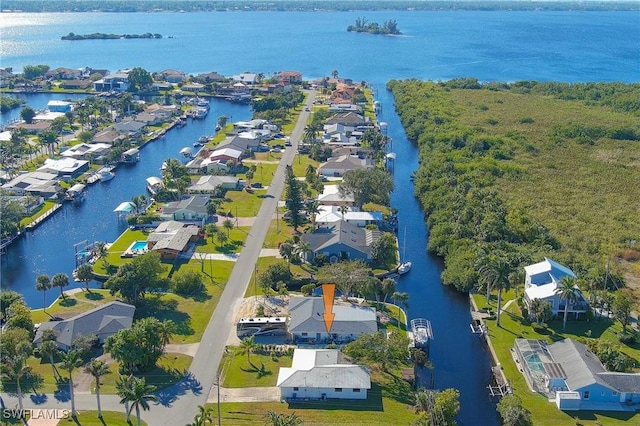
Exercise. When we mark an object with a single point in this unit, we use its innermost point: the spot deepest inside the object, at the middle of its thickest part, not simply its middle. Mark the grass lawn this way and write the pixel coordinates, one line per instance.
(190, 313)
(235, 243)
(117, 248)
(543, 412)
(170, 369)
(300, 164)
(90, 418)
(278, 232)
(242, 203)
(239, 373)
(298, 271)
(64, 308)
(45, 207)
(389, 402)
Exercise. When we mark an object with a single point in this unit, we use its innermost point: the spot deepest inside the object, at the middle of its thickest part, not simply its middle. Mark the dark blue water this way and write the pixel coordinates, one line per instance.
(49, 249)
(491, 46)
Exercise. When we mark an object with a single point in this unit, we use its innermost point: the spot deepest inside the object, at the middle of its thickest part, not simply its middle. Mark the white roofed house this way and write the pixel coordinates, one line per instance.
(193, 208)
(338, 166)
(210, 184)
(541, 282)
(323, 374)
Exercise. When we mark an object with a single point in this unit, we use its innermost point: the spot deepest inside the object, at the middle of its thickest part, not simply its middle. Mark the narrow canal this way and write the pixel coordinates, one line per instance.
(459, 358)
(49, 249)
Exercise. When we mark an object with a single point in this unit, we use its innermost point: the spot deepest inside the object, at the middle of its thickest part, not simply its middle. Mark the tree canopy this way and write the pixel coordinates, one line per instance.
(367, 185)
(133, 280)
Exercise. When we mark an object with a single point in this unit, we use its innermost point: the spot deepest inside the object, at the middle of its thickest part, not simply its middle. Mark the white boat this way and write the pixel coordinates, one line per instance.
(106, 174)
(201, 112)
(406, 265)
(404, 268)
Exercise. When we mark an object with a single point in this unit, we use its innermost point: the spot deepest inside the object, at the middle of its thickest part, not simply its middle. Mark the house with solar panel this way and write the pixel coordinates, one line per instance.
(568, 373)
(323, 374)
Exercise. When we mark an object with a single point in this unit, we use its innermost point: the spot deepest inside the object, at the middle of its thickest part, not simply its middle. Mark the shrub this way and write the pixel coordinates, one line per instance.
(627, 338)
(186, 282)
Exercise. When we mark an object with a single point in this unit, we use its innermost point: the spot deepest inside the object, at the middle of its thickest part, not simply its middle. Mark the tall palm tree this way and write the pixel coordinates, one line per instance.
(122, 390)
(15, 369)
(60, 280)
(401, 299)
(97, 369)
(228, 225)
(49, 348)
(495, 273)
(70, 361)
(302, 249)
(85, 274)
(286, 250)
(101, 252)
(247, 346)
(139, 394)
(43, 283)
(343, 209)
(569, 292)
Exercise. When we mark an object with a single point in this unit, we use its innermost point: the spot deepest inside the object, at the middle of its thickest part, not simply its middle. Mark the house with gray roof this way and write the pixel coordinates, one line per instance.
(323, 374)
(210, 184)
(131, 128)
(306, 321)
(341, 240)
(569, 373)
(192, 208)
(42, 184)
(338, 166)
(172, 238)
(102, 321)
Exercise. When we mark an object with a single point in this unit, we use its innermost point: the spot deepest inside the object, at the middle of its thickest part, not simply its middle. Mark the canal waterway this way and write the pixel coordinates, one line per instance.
(49, 248)
(491, 46)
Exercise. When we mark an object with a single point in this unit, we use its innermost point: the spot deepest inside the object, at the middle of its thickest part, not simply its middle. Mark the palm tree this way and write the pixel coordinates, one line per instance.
(122, 390)
(49, 348)
(228, 225)
(286, 250)
(222, 121)
(14, 369)
(70, 361)
(343, 209)
(278, 419)
(334, 73)
(140, 202)
(101, 252)
(43, 283)
(222, 238)
(247, 346)
(97, 369)
(569, 292)
(139, 394)
(48, 139)
(85, 274)
(495, 273)
(401, 299)
(61, 281)
(303, 249)
(203, 417)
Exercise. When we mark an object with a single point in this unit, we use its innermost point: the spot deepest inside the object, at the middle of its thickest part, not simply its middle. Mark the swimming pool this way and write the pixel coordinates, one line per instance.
(138, 246)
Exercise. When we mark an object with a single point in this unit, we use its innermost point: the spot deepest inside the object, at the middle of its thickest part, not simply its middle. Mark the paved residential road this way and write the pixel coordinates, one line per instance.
(178, 404)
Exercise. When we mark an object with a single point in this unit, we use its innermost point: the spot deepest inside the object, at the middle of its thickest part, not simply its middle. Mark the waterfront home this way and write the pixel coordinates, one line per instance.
(246, 78)
(245, 142)
(209, 77)
(331, 214)
(541, 282)
(345, 107)
(193, 87)
(79, 84)
(59, 106)
(65, 166)
(42, 184)
(33, 128)
(172, 238)
(306, 321)
(172, 76)
(348, 119)
(108, 136)
(331, 197)
(193, 208)
(129, 127)
(63, 74)
(211, 184)
(340, 241)
(338, 166)
(118, 82)
(322, 374)
(568, 373)
(103, 321)
(289, 77)
(94, 152)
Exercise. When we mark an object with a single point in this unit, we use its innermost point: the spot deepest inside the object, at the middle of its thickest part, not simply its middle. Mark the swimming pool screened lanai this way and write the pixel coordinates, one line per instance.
(537, 365)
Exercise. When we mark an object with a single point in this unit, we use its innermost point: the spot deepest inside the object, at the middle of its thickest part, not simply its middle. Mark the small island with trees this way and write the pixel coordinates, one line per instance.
(103, 36)
(389, 27)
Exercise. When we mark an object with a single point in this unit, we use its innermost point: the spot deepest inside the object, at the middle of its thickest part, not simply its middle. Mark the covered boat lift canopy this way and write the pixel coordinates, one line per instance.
(125, 208)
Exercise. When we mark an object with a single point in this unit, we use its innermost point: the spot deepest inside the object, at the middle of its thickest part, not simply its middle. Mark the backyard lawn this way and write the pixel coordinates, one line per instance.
(238, 372)
(542, 411)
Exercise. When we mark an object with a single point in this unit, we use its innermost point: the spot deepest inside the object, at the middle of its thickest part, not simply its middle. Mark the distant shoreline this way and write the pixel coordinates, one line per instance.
(26, 6)
(103, 36)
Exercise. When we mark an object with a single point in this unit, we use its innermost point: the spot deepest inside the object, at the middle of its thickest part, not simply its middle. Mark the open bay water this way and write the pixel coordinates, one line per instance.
(491, 46)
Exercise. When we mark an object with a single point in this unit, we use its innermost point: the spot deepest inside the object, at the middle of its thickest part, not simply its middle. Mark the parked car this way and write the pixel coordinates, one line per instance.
(256, 185)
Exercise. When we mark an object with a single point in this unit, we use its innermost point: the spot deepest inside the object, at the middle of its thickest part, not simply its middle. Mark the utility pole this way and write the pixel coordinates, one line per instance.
(277, 229)
(218, 386)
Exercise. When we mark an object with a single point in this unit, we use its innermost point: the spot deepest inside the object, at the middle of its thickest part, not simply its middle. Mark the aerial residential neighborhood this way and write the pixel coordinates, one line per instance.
(250, 217)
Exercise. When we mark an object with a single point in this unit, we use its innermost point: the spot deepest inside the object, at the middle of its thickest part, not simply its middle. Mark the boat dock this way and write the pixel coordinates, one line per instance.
(421, 334)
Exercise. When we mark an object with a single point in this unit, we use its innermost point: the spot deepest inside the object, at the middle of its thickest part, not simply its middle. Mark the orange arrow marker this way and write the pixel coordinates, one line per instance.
(328, 290)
